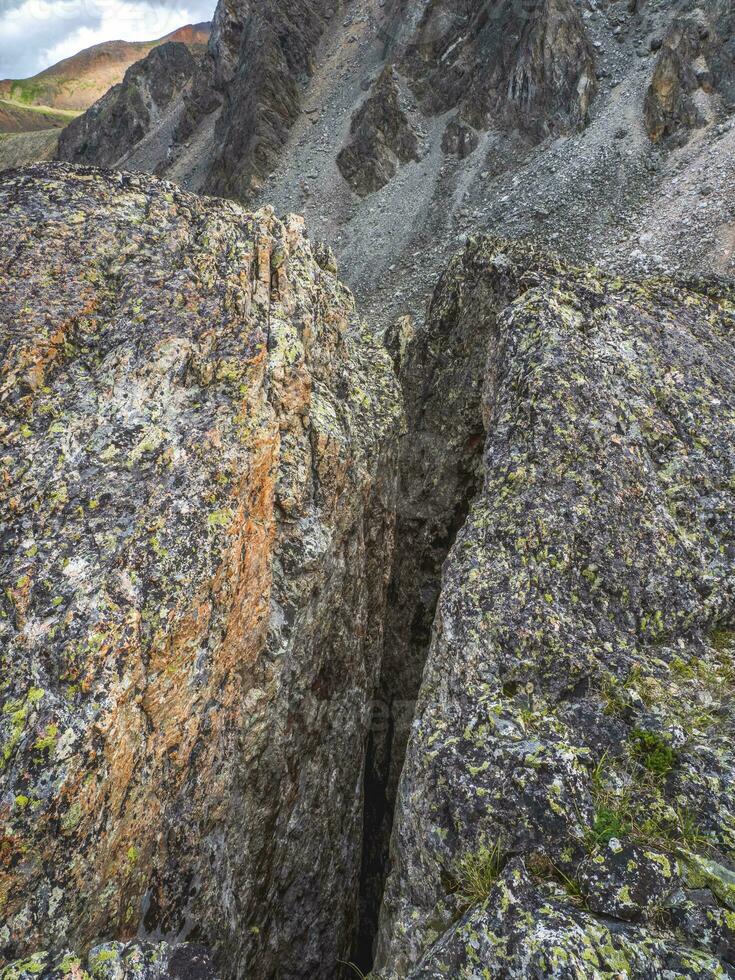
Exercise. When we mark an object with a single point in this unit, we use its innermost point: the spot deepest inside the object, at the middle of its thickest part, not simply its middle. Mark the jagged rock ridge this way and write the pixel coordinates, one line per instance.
(200, 443)
(263, 97)
(123, 116)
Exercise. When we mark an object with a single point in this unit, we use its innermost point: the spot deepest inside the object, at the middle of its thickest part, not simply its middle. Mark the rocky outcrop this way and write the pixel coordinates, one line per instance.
(515, 64)
(567, 799)
(128, 112)
(459, 139)
(20, 149)
(258, 57)
(696, 62)
(381, 138)
(262, 100)
(199, 458)
(200, 99)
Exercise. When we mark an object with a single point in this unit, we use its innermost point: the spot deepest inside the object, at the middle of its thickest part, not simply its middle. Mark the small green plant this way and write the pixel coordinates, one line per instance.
(542, 867)
(629, 803)
(613, 815)
(689, 832)
(652, 751)
(613, 696)
(477, 873)
(610, 822)
(723, 640)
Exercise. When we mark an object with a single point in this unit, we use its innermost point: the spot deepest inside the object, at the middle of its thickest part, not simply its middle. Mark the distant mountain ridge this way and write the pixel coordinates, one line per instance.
(79, 81)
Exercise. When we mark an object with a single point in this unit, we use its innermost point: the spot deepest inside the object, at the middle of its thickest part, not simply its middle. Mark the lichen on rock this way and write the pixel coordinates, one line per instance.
(118, 961)
(571, 755)
(199, 441)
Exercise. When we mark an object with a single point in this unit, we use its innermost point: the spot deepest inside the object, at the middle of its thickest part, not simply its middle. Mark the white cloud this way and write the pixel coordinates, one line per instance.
(37, 33)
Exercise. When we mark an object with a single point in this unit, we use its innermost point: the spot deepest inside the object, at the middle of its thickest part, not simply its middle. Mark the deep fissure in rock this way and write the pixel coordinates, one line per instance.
(411, 617)
(440, 475)
(442, 368)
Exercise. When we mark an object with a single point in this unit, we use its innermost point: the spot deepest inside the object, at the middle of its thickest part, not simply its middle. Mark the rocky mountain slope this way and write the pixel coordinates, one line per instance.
(603, 127)
(122, 117)
(19, 149)
(77, 82)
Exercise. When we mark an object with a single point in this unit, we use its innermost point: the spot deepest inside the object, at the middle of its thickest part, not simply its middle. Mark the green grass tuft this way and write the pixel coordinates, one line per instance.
(478, 872)
(652, 751)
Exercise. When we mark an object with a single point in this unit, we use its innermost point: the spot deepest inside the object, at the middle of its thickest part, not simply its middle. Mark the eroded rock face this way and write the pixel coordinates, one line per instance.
(526, 64)
(199, 456)
(382, 138)
(122, 117)
(262, 99)
(696, 67)
(459, 139)
(576, 706)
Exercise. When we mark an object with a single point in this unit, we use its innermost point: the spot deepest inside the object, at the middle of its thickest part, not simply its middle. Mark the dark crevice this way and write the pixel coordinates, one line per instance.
(446, 370)
(421, 550)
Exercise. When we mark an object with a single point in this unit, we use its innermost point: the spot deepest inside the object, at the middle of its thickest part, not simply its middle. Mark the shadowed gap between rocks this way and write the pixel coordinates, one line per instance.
(393, 714)
(442, 371)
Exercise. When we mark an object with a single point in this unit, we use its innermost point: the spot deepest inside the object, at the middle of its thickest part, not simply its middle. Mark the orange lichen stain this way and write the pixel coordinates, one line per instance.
(165, 708)
(34, 361)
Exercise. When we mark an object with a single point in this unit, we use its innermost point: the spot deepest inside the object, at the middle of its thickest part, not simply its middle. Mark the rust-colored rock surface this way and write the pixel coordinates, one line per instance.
(197, 491)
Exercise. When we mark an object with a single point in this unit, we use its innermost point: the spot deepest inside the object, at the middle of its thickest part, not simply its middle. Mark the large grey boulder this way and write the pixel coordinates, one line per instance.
(567, 799)
(197, 488)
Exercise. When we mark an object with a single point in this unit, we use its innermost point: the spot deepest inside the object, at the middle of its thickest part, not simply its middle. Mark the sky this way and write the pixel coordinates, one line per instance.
(37, 33)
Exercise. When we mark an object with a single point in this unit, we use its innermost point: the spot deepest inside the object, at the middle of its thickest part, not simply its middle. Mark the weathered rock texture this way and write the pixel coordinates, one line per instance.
(696, 64)
(381, 138)
(198, 500)
(526, 64)
(119, 961)
(122, 117)
(567, 802)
